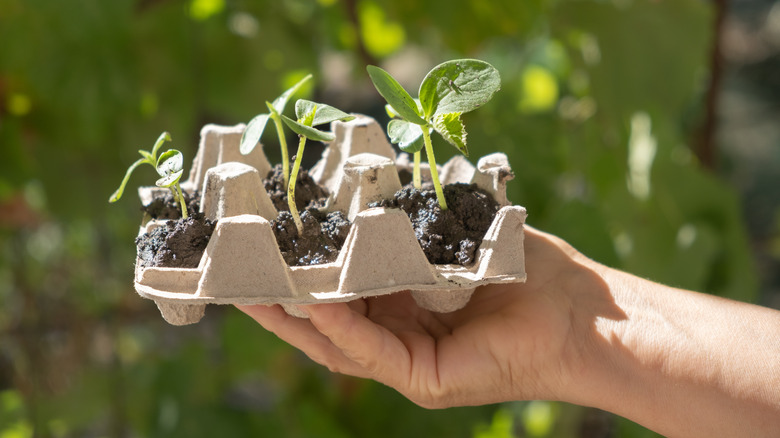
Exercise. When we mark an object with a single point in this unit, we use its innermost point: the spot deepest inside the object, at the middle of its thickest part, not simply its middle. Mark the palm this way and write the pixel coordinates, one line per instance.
(493, 349)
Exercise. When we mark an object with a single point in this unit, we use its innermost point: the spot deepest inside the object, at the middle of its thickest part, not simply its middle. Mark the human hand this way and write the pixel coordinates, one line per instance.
(510, 342)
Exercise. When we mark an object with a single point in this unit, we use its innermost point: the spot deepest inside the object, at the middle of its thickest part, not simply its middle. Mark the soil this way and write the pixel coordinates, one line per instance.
(177, 244)
(322, 239)
(167, 207)
(308, 194)
(449, 236)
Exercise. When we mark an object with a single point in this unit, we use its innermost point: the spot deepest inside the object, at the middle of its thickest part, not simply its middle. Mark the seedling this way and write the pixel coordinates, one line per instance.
(256, 126)
(309, 114)
(169, 166)
(448, 91)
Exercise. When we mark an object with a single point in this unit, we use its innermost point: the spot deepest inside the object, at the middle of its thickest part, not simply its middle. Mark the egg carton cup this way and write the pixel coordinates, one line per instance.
(242, 263)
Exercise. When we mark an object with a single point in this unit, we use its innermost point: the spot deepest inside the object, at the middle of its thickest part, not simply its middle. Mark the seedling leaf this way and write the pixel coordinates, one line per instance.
(160, 140)
(408, 136)
(252, 133)
(281, 101)
(323, 114)
(393, 115)
(450, 126)
(460, 85)
(255, 128)
(147, 156)
(395, 95)
(169, 180)
(171, 161)
(118, 193)
(307, 131)
(391, 112)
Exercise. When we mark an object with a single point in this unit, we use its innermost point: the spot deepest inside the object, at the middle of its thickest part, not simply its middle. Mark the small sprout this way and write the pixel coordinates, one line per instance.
(169, 166)
(309, 114)
(448, 91)
(256, 126)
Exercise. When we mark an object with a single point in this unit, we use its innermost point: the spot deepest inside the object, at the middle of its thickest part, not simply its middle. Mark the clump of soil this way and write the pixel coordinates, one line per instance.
(322, 238)
(308, 194)
(176, 244)
(167, 206)
(449, 236)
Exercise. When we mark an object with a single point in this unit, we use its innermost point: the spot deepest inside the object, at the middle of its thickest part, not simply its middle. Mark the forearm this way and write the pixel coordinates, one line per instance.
(682, 363)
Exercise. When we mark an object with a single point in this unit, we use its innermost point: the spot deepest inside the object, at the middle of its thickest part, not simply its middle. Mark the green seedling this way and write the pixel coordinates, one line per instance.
(447, 92)
(309, 114)
(256, 126)
(169, 166)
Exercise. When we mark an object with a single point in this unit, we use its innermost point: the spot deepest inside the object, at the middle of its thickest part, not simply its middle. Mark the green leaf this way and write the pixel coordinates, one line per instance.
(393, 115)
(170, 162)
(391, 112)
(408, 136)
(256, 126)
(322, 113)
(281, 101)
(395, 95)
(252, 133)
(461, 85)
(169, 180)
(147, 156)
(160, 140)
(118, 193)
(307, 131)
(450, 126)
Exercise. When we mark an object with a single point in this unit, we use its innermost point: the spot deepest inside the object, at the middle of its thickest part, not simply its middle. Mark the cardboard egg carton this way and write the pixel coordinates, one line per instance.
(242, 263)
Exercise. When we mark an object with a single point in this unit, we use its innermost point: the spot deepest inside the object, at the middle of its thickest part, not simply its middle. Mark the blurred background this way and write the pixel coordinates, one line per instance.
(644, 132)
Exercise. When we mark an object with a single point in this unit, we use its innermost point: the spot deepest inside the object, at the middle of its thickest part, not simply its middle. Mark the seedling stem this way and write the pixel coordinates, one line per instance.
(291, 185)
(416, 171)
(283, 146)
(434, 171)
(178, 194)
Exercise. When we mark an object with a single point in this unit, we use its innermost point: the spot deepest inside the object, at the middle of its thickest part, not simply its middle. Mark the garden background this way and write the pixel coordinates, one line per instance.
(646, 133)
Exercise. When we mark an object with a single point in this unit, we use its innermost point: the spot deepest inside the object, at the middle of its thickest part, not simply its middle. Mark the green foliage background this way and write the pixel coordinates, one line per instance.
(600, 108)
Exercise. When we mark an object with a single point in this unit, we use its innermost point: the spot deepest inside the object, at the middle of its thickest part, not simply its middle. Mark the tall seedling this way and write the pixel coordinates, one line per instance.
(309, 114)
(448, 91)
(256, 126)
(170, 167)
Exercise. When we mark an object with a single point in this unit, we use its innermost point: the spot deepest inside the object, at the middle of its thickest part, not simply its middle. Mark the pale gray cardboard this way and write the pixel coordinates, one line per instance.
(243, 265)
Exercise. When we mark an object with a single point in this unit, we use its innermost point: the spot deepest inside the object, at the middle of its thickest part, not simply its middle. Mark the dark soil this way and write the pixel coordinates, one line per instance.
(322, 239)
(177, 244)
(167, 206)
(449, 236)
(308, 194)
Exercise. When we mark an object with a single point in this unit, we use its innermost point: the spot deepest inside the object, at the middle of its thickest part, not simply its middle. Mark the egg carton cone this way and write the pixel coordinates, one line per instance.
(242, 263)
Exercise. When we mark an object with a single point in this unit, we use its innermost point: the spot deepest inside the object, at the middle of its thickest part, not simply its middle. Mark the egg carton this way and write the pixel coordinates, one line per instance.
(242, 263)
